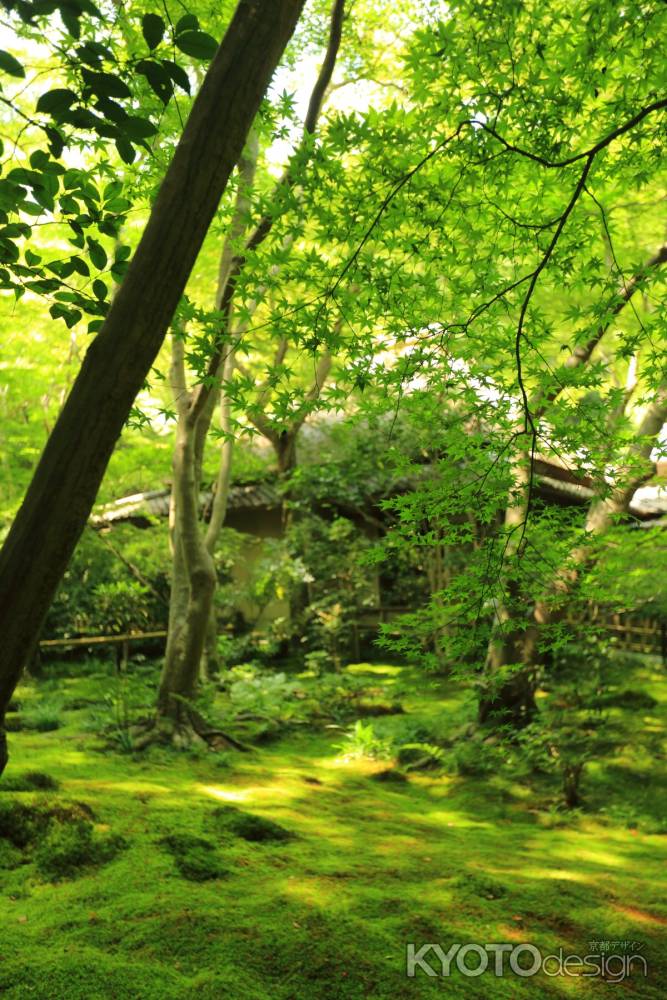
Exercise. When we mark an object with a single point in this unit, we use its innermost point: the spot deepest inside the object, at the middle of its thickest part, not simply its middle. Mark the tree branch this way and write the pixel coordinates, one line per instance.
(591, 152)
(285, 183)
(177, 375)
(582, 353)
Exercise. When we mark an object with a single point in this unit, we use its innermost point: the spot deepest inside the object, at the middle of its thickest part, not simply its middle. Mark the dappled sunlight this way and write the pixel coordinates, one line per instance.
(554, 874)
(313, 891)
(226, 795)
(347, 764)
(137, 786)
(275, 792)
(379, 669)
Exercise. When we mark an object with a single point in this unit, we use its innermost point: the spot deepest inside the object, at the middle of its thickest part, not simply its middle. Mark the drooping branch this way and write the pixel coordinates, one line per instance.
(474, 123)
(592, 151)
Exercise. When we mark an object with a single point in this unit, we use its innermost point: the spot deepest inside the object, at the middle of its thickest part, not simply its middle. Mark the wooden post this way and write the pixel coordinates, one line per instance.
(122, 655)
(355, 641)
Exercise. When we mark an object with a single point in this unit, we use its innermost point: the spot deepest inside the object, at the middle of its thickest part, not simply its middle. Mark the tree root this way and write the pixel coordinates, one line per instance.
(189, 729)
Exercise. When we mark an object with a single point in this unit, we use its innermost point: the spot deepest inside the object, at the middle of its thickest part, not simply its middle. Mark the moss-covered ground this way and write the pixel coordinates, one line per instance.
(185, 905)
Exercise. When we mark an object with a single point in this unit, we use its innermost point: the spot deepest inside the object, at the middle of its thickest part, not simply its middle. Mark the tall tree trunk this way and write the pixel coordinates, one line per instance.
(181, 661)
(63, 489)
(179, 677)
(192, 649)
(210, 665)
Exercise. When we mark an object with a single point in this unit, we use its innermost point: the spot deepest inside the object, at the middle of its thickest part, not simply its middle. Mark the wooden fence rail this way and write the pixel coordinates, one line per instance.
(121, 641)
(642, 635)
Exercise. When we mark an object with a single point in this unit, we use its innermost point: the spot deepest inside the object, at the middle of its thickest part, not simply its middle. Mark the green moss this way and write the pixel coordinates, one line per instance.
(57, 836)
(372, 865)
(10, 856)
(69, 847)
(64, 850)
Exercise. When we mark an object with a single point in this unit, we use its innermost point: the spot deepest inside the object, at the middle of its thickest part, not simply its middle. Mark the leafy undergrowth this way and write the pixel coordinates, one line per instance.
(293, 873)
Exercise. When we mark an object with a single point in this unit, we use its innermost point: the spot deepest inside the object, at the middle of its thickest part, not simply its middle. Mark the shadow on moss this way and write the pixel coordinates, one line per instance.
(228, 820)
(195, 857)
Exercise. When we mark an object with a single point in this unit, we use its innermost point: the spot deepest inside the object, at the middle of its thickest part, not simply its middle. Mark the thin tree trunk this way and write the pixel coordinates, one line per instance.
(187, 468)
(211, 659)
(63, 489)
(513, 700)
(195, 411)
(184, 650)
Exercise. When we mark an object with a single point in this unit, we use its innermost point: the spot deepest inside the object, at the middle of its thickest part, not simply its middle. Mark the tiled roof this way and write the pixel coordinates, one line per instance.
(648, 501)
(155, 503)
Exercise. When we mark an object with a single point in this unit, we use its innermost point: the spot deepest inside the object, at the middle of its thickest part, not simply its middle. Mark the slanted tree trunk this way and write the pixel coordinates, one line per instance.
(63, 489)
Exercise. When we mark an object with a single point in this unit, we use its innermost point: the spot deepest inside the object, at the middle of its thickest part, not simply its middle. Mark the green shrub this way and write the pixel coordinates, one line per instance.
(417, 756)
(43, 717)
(129, 698)
(100, 595)
(362, 741)
(65, 848)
